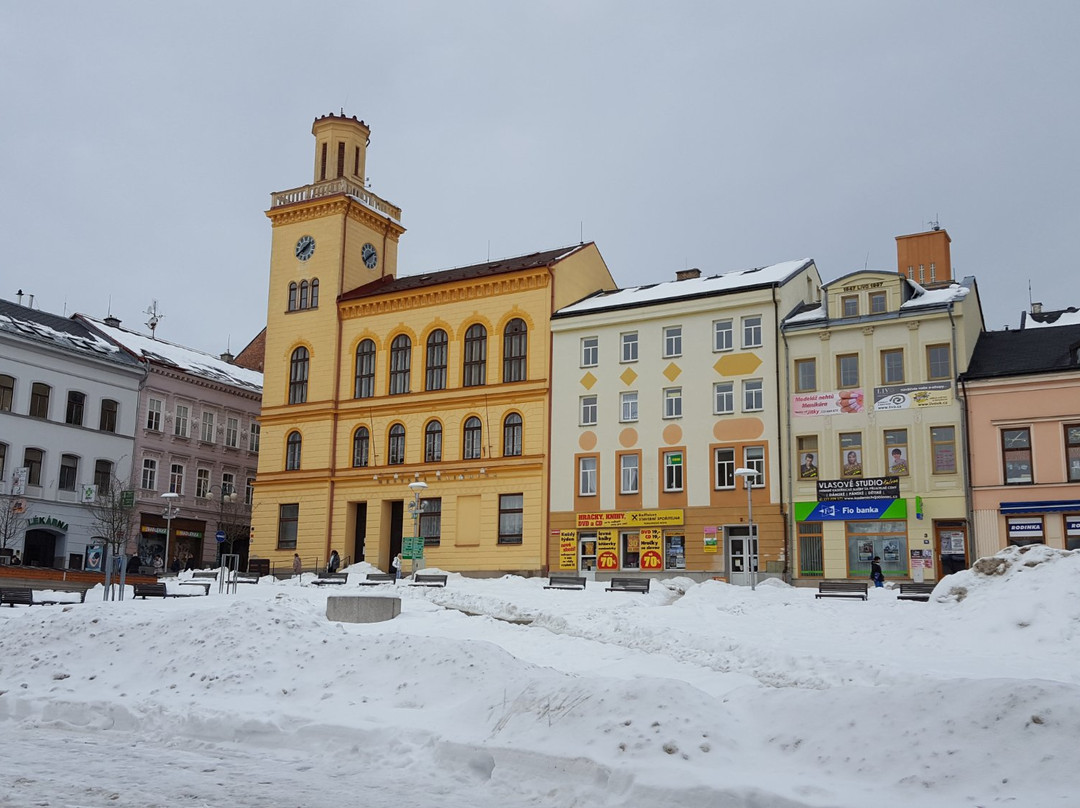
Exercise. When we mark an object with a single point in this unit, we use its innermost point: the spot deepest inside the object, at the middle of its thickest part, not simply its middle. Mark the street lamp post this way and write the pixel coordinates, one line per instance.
(225, 498)
(418, 487)
(171, 510)
(751, 540)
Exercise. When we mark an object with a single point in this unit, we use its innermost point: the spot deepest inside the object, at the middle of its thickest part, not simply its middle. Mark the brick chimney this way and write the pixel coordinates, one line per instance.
(688, 274)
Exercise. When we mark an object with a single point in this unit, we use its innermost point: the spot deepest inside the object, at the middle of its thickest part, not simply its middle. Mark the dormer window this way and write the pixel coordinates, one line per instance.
(878, 303)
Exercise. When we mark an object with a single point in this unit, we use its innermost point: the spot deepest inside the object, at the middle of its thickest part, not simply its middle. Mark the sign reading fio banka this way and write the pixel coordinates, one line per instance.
(858, 488)
(630, 518)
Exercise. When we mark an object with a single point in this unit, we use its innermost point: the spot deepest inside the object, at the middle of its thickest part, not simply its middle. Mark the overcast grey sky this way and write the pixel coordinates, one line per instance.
(141, 141)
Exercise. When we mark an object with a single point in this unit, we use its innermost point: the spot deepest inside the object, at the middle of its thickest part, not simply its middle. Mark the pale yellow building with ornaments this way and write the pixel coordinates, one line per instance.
(403, 407)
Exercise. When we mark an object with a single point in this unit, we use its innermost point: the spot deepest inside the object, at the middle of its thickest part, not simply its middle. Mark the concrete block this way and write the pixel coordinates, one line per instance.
(361, 609)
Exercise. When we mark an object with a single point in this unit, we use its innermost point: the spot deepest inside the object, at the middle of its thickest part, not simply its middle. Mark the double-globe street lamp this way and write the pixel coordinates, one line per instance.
(751, 540)
(171, 510)
(229, 507)
(418, 487)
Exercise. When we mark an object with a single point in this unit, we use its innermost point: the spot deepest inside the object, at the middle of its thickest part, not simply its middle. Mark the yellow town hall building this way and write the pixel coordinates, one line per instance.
(375, 384)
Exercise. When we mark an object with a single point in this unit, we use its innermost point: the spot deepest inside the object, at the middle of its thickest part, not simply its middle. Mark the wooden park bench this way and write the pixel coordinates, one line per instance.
(378, 579)
(246, 578)
(145, 591)
(420, 579)
(566, 582)
(21, 596)
(842, 589)
(331, 578)
(914, 591)
(629, 585)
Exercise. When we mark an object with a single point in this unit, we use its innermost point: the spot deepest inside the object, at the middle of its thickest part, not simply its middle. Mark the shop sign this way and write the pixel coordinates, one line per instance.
(858, 488)
(567, 549)
(710, 539)
(827, 403)
(650, 546)
(1072, 525)
(630, 518)
(47, 521)
(853, 510)
(189, 534)
(907, 396)
(158, 531)
(1029, 528)
(607, 550)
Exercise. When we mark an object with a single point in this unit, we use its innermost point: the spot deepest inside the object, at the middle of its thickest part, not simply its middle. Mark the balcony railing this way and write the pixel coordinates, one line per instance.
(340, 185)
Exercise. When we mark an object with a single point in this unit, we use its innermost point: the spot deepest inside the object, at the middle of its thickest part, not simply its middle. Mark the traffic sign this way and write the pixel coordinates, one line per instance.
(220, 536)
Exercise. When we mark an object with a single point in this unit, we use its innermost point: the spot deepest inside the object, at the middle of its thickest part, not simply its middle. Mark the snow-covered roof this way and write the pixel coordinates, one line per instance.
(923, 298)
(60, 332)
(688, 288)
(1050, 319)
(188, 360)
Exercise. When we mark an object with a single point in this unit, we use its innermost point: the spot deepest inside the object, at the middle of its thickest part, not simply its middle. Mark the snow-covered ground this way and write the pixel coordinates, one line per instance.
(499, 693)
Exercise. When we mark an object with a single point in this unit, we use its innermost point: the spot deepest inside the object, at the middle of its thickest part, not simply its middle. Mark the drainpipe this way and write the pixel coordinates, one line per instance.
(789, 525)
(780, 460)
(969, 505)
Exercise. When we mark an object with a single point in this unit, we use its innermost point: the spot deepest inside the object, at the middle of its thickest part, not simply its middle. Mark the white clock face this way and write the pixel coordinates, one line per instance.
(305, 247)
(370, 256)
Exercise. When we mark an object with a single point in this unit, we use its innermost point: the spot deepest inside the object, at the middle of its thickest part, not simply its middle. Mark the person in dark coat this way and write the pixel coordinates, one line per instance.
(133, 564)
(876, 575)
(335, 562)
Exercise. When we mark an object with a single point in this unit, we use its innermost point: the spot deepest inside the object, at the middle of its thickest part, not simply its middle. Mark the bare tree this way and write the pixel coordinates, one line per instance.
(12, 519)
(114, 516)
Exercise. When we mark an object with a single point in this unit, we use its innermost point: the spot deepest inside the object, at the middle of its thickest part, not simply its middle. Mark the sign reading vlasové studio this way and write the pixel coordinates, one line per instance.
(855, 488)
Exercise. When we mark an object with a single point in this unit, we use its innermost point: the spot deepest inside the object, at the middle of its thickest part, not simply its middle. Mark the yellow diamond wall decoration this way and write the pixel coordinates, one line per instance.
(587, 381)
(672, 372)
(628, 376)
(737, 364)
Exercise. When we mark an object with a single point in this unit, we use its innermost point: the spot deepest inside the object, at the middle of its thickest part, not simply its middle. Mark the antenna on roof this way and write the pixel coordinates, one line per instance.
(155, 318)
(934, 223)
(489, 251)
(581, 231)
(866, 263)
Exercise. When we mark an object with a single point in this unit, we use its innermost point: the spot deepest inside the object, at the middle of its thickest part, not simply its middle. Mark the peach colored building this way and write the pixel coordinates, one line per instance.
(1022, 394)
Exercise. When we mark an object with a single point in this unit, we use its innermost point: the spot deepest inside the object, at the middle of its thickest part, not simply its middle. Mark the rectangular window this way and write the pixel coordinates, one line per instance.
(805, 375)
(33, 460)
(232, 433)
(588, 411)
(39, 400)
(511, 518)
(228, 484)
(628, 409)
(202, 483)
(1072, 451)
(1016, 454)
(69, 472)
(176, 478)
(629, 347)
(943, 449)
(849, 304)
(879, 303)
(103, 476)
(753, 395)
(808, 456)
(431, 521)
(207, 427)
(3, 462)
(7, 392)
(288, 520)
(896, 452)
(590, 352)
(751, 332)
(938, 362)
(149, 474)
(674, 552)
(587, 476)
(723, 398)
(75, 405)
(847, 370)
(673, 471)
(253, 436)
(885, 540)
(107, 421)
(851, 454)
(892, 366)
(628, 473)
(725, 468)
(180, 423)
(722, 335)
(811, 550)
(673, 402)
(153, 414)
(754, 458)
(249, 491)
(672, 341)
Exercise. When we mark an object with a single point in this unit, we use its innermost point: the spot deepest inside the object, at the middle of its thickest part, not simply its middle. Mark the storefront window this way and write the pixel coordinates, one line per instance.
(675, 552)
(887, 540)
(587, 551)
(811, 555)
(631, 550)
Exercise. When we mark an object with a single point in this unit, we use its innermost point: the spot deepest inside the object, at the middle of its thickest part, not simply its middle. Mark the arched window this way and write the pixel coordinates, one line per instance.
(512, 435)
(315, 293)
(292, 296)
(395, 449)
(292, 451)
(400, 364)
(475, 368)
(365, 370)
(474, 439)
(436, 360)
(298, 376)
(303, 294)
(361, 446)
(433, 442)
(515, 350)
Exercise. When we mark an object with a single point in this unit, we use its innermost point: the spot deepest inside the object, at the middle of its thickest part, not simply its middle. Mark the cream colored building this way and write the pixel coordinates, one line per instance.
(873, 429)
(661, 393)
